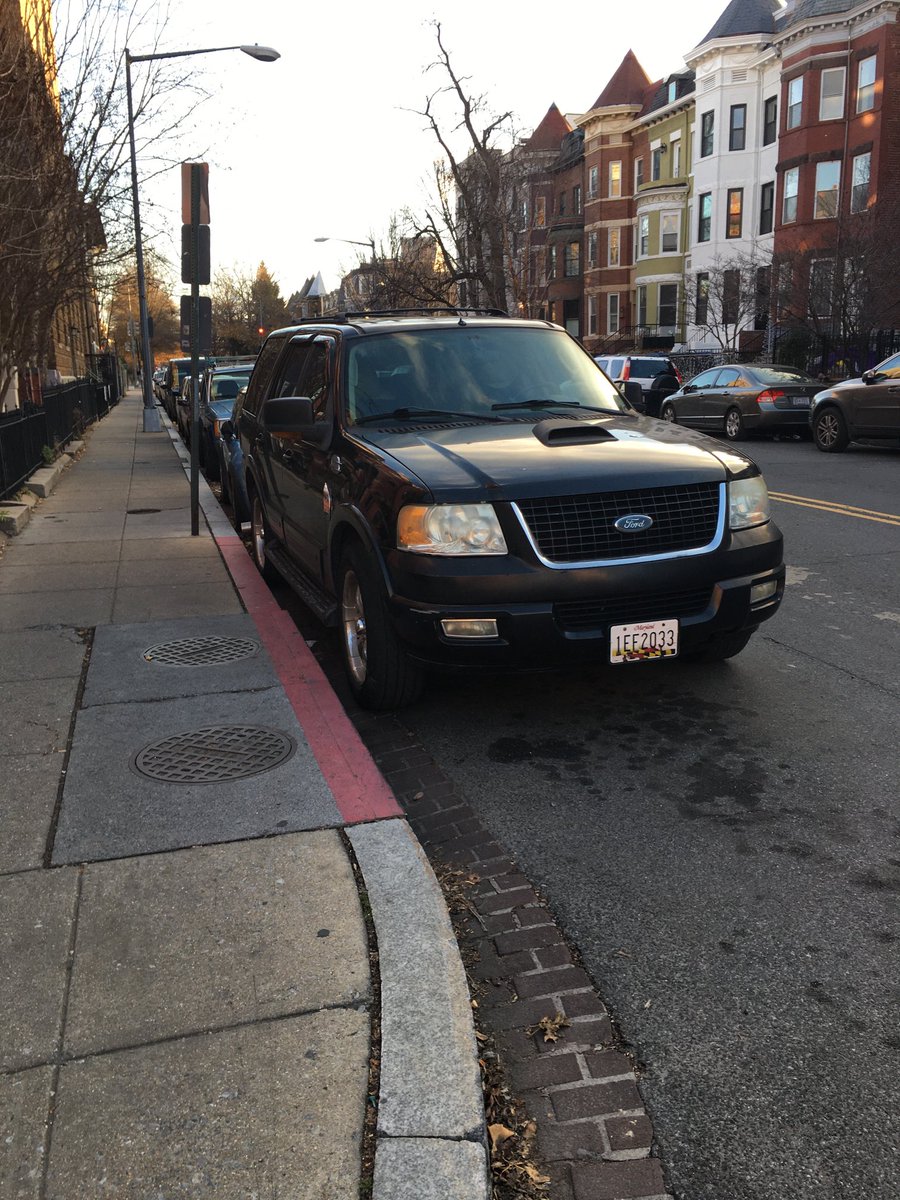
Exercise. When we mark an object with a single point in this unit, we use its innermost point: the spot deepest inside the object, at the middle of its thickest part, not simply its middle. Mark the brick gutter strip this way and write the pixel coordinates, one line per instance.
(593, 1132)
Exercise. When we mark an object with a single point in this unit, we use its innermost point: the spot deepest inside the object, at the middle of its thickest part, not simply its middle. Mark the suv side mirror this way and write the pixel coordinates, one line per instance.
(226, 430)
(688, 388)
(294, 414)
(632, 391)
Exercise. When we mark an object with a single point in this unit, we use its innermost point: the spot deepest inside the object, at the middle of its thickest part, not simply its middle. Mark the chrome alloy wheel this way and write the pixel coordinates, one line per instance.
(668, 414)
(733, 423)
(828, 428)
(353, 618)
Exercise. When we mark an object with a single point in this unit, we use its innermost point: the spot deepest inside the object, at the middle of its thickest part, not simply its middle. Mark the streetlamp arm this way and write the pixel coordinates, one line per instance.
(262, 53)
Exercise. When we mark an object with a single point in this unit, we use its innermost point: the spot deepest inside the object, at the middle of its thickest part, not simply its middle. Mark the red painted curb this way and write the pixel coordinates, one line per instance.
(358, 787)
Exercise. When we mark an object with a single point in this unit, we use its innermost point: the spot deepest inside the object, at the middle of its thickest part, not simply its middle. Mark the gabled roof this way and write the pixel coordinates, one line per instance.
(550, 132)
(743, 17)
(628, 85)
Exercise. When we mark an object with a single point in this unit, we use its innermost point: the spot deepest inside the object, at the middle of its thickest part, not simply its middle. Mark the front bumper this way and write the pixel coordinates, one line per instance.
(550, 618)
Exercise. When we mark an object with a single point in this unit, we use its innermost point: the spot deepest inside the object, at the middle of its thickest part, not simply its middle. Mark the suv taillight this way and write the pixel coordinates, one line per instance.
(677, 375)
(769, 396)
(626, 369)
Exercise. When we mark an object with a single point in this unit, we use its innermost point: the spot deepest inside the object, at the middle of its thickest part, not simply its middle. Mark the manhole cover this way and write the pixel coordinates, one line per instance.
(214, 754)
(201, 651)
(139, 512)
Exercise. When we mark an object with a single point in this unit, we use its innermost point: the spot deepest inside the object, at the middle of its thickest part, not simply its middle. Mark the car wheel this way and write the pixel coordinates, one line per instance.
(381, 673)
(259, 538)
(734, 425)
(668, 414)
(726, 645)
(223, 480)
(830, 431)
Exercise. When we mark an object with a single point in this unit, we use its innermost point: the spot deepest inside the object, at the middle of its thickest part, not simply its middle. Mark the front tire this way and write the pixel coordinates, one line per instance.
(259, 538)
(668, 414)
(735, 430)
(830, 431)
(381, 674)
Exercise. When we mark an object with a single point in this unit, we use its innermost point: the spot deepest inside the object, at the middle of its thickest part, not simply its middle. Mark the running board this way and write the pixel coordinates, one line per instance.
(313, 597)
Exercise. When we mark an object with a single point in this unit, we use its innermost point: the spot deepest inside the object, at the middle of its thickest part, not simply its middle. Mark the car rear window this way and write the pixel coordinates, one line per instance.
(649, 368)
(781, 375)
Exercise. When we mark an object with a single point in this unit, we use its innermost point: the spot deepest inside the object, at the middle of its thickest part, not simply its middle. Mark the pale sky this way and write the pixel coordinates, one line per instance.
(323, 142)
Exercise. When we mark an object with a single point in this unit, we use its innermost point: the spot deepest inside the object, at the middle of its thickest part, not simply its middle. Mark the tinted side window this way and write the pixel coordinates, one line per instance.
(615, 367)
(287, 381)
(728, 378)
(890, 367)
(705, 378)
(315, 379)
(262, 373)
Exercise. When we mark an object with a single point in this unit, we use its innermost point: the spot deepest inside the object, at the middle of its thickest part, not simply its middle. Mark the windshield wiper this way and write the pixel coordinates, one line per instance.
(407, 414)
(548, 404)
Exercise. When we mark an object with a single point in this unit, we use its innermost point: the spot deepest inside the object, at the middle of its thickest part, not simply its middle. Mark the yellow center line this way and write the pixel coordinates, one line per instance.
(841, 510)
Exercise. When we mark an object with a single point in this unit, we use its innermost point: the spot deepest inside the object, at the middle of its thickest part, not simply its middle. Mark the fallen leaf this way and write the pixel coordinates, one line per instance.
(534, 1174)
(499, 1134)
(551, 1027)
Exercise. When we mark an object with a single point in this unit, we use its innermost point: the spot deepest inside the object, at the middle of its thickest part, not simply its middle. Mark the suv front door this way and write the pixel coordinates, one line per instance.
(301, 462)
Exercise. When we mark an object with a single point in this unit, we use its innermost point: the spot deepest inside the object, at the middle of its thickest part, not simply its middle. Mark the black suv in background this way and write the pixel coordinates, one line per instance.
(463, 489)
(656, 373)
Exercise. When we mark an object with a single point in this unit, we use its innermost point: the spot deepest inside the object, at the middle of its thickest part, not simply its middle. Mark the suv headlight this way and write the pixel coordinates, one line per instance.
(748, 502)
(450, 529)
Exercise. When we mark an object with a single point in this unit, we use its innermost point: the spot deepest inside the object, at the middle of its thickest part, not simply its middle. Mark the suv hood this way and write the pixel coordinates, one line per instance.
(524, 460)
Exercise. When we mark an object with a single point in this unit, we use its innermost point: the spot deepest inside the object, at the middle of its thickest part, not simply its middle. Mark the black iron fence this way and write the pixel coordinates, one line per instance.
(30, 436)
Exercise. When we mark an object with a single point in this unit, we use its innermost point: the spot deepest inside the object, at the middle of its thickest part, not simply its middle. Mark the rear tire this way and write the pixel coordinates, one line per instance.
(735, 430)
(727, 645)
(381, 674)
(259, 538)
(830, 431)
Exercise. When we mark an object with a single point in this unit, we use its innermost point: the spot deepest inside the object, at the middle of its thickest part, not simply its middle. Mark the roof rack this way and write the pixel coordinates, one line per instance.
(343, 318)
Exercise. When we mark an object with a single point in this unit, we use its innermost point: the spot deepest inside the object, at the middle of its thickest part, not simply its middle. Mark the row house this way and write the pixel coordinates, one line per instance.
(661, 215)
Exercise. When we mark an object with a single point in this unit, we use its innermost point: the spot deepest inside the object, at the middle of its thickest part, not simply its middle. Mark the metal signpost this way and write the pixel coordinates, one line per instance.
(195, 207)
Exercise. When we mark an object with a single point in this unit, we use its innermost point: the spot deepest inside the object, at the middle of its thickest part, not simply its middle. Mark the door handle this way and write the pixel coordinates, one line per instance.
(287, 456)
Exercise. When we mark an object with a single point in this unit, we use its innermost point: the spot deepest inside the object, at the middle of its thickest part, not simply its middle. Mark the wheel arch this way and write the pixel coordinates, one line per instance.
(349, 527)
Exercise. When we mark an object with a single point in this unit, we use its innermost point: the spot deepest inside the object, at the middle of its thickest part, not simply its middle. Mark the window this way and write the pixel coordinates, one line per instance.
(540, 212)
(592, 314)
(766, 207)
(763, 293)
(704, 228)
(735, 220)
(770, 120)
(593, 182)
(592, 249)
(731, 295)
(737, 129)
(670, 224)
(576, 198)
(676, 159)
(672, 92)
(643, 236)
(262, 372)
(615, 179)
(831, 94)
(865, 84)
(795, 103)
(551, 263)
(821, 287)
(701, 306)
(706, 134)
(612, 312)
(561, 204)
(828, 179)
(789, 202)
(642, 305)
(656, 163)
(638, 173)
(613, 248)
(572, 259)
(667, 313)
(859, 194)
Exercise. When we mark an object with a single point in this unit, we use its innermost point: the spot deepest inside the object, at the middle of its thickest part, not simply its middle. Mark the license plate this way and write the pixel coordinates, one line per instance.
(644, 642)
(800, 401)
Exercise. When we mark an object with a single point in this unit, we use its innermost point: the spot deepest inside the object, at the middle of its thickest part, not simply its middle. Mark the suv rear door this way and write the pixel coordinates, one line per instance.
(253, 437)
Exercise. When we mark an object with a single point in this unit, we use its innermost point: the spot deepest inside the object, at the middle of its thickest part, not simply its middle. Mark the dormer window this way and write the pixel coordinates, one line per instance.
(673, 90)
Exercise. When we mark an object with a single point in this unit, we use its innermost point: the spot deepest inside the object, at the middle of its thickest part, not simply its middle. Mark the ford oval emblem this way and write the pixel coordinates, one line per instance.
(633, 523)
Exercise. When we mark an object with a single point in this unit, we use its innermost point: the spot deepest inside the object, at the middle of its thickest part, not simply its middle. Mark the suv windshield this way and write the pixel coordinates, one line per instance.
(472, 371)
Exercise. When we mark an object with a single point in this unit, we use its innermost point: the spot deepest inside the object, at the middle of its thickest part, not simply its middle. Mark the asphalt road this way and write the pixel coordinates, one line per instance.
(723, 844)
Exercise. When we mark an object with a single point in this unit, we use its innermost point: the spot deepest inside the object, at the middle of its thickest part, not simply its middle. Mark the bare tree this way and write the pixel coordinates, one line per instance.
(730, 298)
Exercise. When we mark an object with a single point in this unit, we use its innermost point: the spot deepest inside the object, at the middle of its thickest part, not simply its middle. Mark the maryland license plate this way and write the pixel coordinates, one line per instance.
(644, 642)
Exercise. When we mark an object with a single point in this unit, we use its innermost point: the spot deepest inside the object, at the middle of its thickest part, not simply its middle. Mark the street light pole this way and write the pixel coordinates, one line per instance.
(261, 54)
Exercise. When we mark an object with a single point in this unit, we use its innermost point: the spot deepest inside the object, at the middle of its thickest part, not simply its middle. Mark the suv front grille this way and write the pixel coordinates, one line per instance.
(580, 616)
(572, 529)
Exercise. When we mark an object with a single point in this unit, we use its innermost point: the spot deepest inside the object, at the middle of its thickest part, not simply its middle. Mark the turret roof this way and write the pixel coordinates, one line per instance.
(628, 85)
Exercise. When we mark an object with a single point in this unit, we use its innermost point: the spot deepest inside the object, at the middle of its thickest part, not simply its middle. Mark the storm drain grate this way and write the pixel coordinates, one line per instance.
(201, 651)
(214, 754)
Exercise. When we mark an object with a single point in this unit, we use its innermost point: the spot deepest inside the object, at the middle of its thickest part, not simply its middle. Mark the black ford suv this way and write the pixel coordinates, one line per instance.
(465, 489)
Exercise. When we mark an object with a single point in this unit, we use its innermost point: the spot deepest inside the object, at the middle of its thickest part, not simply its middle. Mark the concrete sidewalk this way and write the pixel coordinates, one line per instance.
(186, 999)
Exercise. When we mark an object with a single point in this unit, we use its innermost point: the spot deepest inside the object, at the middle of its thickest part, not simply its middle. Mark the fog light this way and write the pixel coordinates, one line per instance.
(762, 591)
(455, 628)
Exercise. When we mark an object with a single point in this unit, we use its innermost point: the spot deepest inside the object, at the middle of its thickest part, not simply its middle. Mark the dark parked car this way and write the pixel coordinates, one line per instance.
(221, 384)
(656, 373)
(738, 400)
(471, 491)
(867, 408)
(231, 469)
(175, 371)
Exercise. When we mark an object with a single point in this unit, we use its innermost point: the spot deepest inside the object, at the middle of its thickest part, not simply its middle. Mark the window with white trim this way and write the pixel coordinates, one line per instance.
(593, 182)
(789, 197)
(638, 173)
(828, 181)
(643, 236)
(615, 180)
(667, 306)
(613, 248)
(794, 103)
(592, 248)
(865, 83)
(612, 312)
(592, 314)
(670, 229)
(642, 304)
(540, 212)
(656, 163)
(676, 159)
(859, 190)
(831, 93)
